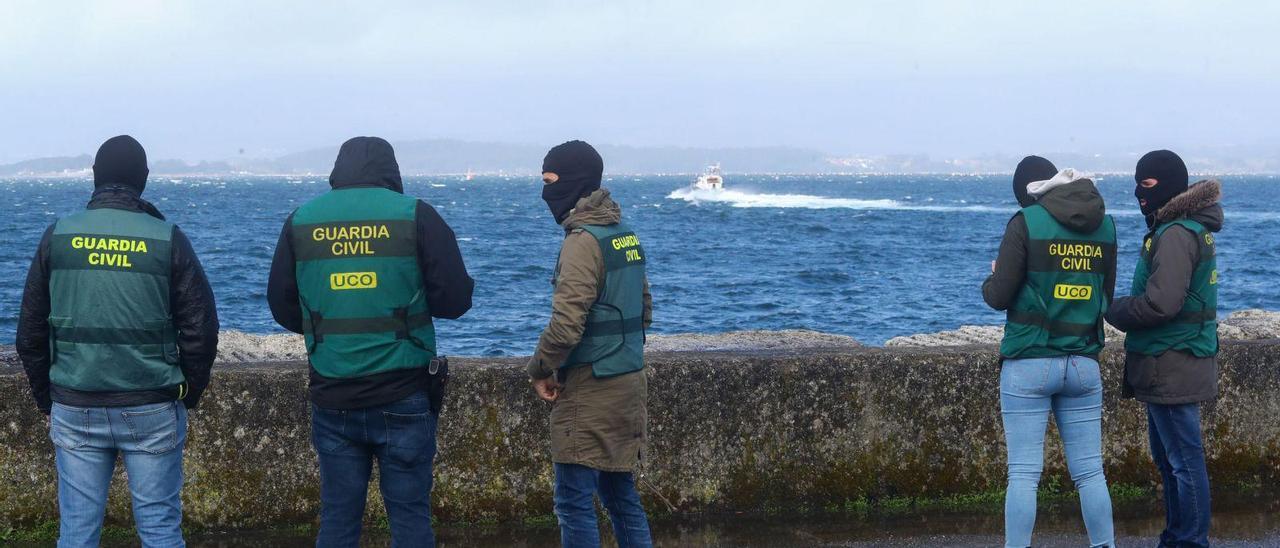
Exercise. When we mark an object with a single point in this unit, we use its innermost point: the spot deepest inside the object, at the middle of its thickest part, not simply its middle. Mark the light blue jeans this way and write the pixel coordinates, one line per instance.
(87, 440)
(1071, 388)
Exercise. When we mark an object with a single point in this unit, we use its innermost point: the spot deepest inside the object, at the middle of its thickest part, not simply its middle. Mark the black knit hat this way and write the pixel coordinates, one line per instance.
(1030, 170)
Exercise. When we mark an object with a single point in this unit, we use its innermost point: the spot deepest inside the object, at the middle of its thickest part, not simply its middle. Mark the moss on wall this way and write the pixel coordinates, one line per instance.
(729, 431)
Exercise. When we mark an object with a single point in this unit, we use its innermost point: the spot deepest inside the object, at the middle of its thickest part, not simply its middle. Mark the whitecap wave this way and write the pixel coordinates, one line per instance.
(738, 198)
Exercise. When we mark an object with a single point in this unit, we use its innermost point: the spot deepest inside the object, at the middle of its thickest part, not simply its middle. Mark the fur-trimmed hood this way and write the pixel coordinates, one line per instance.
(1199, 203)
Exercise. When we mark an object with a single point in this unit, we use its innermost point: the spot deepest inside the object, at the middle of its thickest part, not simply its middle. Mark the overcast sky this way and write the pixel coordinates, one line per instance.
(203, 80)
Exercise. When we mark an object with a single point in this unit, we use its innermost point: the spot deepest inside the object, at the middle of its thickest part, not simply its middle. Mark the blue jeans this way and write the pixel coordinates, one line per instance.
(1070, 387)
(86, 442)
(1178, 451)
(576, 487)
(402, 437)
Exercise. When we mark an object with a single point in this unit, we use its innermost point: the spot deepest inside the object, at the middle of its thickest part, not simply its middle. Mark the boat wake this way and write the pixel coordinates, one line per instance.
(738, 198)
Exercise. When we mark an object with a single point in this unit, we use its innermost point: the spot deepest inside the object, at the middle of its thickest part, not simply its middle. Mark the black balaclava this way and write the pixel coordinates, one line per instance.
(121, 162)
(1030, 170)
(1171, 175)
(366, 161)
(580, 169)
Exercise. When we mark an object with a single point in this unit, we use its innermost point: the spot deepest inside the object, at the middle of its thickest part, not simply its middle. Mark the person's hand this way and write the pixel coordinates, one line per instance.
(547, 388)
(993, 267)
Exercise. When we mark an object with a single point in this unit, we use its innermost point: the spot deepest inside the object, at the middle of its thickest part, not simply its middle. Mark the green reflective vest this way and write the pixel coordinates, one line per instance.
(1059, 309)
(110, 326)
(1195, 329)
(613, 341)
(363, 301)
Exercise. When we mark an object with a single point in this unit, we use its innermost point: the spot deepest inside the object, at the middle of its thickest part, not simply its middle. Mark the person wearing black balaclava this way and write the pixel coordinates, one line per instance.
(361, 271)
(99, 364)
(576, 169)
(590, 358)
(1171, 324)
(1055, 274)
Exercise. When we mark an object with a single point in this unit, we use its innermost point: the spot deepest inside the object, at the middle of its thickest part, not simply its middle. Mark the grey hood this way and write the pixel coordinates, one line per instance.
(1075, 203)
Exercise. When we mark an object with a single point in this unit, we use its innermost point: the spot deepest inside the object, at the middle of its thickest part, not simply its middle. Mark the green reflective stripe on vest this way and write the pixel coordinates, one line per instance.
(110, 335)
(359, 283)
(1195, 329)
(613, 340)
(1056, 327)
(1058, 310)
(110, 326)
(349, 326)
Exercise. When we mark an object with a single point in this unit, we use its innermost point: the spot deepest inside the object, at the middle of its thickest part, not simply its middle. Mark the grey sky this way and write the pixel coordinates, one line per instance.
(200, 80)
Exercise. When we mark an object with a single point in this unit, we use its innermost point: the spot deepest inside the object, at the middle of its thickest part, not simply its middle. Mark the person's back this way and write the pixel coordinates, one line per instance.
(118, 333)
(361, 271)
(1054, 277)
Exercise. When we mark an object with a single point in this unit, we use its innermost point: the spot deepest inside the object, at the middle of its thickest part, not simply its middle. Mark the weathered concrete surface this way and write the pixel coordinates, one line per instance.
(239, 347)
(1243, 325)
(730, 431)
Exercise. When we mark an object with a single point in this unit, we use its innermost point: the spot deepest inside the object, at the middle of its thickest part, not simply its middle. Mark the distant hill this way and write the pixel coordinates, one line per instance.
(451, 156)
(48, 166)
(439, 156)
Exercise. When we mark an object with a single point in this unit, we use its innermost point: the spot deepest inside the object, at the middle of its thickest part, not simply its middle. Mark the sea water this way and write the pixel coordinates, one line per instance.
(871, 257)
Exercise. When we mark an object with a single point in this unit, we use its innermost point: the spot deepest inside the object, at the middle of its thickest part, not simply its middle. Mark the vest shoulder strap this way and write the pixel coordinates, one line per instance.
(1203, 237)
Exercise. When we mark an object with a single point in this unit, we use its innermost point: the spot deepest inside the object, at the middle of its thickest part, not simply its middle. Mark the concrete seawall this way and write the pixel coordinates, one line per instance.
(729, 431)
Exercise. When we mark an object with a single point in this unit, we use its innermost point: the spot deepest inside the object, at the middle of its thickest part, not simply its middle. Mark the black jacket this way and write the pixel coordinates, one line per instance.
(1174, 377)
(191, 303)
(448, 287)
(1079, 207)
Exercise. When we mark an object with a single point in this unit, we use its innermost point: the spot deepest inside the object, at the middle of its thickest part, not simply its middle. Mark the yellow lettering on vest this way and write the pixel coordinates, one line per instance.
(624, 242)
(1072, 292)
(359, 247)
(353, 280)
(1075, 250)
(1069, 263)
(633, 255)
(91, 243)
(1213, 278)
(351, 240)
(110, 259)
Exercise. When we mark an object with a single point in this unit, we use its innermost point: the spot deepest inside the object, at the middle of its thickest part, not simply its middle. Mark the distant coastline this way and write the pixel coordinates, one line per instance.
(447, 157)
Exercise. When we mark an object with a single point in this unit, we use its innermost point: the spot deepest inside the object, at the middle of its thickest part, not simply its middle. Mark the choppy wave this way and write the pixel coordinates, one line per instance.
(739, 198)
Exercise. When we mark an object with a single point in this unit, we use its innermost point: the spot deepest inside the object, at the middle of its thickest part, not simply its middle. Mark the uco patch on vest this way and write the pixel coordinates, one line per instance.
(353, 280)
(1072, 292)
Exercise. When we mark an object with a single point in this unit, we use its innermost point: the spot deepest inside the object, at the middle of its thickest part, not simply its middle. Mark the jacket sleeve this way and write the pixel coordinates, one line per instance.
(32, 343)
(195, 314)
(1171, 268)
(577, 287)
(1002, 286)
(449, 287)
(282, 284)
(647, 316)
(1110, 280)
